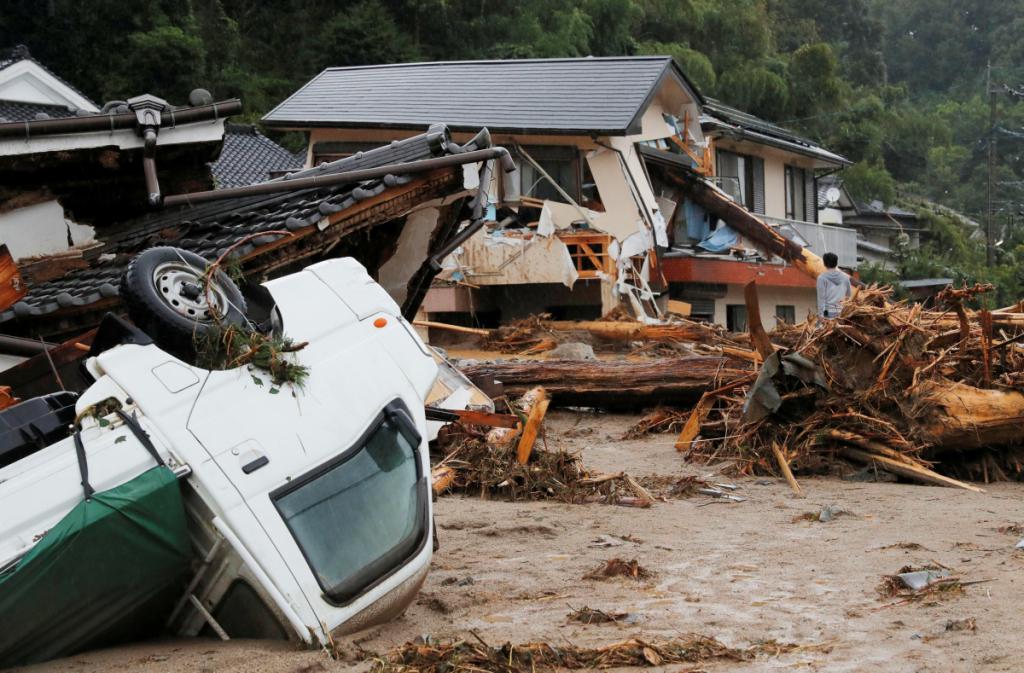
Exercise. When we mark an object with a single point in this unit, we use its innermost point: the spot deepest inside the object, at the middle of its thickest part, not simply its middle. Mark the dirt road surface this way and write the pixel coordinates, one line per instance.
(740, 572)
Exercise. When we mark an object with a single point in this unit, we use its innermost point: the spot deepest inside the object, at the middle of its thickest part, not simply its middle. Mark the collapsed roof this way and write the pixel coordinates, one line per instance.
(265, 233)
(730, 121)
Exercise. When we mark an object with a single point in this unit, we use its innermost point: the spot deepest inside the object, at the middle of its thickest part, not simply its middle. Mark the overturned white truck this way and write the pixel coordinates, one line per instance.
(168, 497)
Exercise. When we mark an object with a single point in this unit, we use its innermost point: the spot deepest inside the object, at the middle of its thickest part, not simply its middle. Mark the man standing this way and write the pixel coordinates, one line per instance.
(833, 288)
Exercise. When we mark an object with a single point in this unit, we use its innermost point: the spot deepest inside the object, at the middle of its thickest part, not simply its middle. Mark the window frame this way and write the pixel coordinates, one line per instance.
(745, 177)
(540, 154)
(792, 173)
(779, 317)
(398, 413)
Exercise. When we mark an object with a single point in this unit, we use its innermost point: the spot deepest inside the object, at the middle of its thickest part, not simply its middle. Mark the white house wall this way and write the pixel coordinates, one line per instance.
(41, 229)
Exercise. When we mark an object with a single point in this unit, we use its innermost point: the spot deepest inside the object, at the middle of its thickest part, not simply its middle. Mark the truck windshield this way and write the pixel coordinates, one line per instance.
(361, 517)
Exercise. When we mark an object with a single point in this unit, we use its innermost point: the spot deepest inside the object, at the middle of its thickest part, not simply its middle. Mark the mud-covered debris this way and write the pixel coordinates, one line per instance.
(914, 583)
(476, 656)
(660, 419)
(823, 515)
(618, 567)
(966, 624)
(587, 615)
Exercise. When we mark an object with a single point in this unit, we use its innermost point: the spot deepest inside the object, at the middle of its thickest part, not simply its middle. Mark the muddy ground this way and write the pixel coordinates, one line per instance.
(740, 572)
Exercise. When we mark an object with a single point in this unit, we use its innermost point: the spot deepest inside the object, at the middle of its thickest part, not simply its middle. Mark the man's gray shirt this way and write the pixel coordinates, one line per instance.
(833, 288)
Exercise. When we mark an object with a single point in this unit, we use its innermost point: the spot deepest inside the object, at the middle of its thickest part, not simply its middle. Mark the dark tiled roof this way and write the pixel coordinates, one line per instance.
(601, 95)
(210, 229)
(719, 115)
(248, 157)
(24, 112)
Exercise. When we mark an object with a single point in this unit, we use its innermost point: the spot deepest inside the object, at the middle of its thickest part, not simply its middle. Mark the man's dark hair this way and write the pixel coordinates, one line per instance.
(830, 259)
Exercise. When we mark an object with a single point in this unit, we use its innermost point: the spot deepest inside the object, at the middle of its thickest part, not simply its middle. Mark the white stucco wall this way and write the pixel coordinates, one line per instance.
(41, 229)
(805, 300)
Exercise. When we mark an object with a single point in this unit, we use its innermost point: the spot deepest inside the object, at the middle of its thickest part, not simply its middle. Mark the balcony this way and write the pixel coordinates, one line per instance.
(819, 238)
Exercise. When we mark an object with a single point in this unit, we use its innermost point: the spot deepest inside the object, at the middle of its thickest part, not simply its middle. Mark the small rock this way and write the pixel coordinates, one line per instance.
(572, 350)
(465, 582)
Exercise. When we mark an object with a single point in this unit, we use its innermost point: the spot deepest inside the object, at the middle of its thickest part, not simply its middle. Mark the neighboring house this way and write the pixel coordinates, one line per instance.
(574, 228)
(61, 179)
(248, 157)
(773, 173)
(881, 231)
(28, 90)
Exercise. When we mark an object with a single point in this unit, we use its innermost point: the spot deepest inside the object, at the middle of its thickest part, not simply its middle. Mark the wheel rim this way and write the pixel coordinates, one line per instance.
(182, 287)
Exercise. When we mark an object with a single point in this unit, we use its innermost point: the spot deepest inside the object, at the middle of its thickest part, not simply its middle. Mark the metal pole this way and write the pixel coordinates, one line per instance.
(332, 179)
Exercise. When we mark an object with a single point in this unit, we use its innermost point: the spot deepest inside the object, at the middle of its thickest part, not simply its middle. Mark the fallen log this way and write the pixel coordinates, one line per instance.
(957, 416)
(635, 331)
(619, 384)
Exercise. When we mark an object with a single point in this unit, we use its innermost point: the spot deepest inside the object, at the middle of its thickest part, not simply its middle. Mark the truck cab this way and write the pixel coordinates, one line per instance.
(308, 506)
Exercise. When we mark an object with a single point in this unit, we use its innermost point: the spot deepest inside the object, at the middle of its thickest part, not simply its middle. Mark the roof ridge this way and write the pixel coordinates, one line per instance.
(563, 59)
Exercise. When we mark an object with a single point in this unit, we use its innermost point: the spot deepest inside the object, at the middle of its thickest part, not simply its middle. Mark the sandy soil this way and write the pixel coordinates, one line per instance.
(741, 572)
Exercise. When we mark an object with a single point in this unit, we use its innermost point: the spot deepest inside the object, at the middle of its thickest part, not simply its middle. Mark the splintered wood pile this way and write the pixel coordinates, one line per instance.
(886, 384)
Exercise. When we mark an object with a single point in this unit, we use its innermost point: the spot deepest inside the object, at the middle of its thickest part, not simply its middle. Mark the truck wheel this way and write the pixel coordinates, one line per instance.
(163, 289)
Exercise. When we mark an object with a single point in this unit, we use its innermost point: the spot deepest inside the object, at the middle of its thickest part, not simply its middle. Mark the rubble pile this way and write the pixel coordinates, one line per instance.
(887, 384)
(474, 466)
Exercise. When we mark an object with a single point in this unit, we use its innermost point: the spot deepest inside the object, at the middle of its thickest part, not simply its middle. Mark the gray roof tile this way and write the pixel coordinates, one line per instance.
(550, 95)
(249, 157)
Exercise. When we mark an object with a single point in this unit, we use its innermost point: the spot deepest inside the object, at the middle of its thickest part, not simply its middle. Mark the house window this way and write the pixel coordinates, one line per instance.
(796, 194)
(736, 317)
(561, 163)
(742, 177)
(785, 313)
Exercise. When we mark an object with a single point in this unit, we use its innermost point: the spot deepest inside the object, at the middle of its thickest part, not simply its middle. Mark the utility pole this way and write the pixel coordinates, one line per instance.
(990, 249)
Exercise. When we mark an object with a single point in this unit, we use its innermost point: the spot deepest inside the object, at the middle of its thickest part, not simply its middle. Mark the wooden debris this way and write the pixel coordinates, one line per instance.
(786, 472)
(886, 384)
(617, 567)
(476, 656)
(532, 427)
(477, 331)
(587, 615)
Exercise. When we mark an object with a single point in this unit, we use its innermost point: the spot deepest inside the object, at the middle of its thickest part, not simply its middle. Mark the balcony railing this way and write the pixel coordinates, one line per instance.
(820, 238)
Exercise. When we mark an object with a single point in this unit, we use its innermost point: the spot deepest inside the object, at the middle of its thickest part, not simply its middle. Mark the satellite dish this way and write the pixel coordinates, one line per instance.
(832, 195)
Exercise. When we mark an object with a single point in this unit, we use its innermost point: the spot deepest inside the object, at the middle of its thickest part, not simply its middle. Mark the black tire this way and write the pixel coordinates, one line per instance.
(162, 290)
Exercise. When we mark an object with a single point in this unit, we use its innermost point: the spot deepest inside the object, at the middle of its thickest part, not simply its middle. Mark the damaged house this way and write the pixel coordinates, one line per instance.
(577, 221)
(772, 173)
(599, 211)
(82, 195)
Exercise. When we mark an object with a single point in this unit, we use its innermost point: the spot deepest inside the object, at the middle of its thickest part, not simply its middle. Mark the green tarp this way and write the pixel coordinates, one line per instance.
(109, 571)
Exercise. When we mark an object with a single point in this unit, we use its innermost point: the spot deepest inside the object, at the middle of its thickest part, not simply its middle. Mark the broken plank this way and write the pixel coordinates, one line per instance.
(758, 337)
(786, 472)
(906, 469)
(479, 331)
(531, 428)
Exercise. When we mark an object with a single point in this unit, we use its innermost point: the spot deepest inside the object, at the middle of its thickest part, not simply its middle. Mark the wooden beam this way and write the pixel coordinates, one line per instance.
(758, 337)
(531, 428)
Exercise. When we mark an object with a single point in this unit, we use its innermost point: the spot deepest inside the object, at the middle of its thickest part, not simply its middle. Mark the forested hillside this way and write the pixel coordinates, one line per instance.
(898, 86)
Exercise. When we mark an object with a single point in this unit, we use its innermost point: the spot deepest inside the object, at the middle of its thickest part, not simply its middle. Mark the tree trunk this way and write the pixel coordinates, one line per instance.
(955, 416)
(619, 384)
